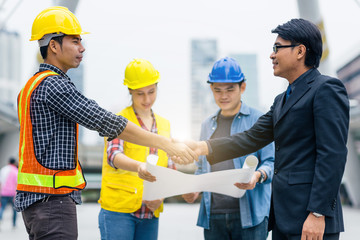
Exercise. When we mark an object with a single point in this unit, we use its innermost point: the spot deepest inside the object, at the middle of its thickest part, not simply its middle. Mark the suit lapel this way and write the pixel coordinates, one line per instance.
(301, 88)
(278, 107)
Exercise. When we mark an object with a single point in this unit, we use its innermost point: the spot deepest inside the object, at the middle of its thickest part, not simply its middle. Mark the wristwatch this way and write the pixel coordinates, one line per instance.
(317, 214)
(262, 176)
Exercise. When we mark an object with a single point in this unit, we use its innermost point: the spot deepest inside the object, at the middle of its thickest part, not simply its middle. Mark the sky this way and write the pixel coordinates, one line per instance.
(161, 32)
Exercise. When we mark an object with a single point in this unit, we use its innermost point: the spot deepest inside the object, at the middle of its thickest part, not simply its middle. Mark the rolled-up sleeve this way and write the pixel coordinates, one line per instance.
(114, 147)
(63, 97)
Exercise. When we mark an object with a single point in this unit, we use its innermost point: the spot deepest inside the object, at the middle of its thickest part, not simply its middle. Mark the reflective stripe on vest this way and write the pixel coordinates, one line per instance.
(33, 177)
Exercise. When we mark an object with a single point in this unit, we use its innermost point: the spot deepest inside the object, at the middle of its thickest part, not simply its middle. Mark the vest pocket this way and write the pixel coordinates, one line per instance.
(119, 186)
(123, 198)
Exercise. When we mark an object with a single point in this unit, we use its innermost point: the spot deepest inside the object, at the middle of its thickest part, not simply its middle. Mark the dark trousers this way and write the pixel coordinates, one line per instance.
(53, 218)
(277, 235)
(228, 226)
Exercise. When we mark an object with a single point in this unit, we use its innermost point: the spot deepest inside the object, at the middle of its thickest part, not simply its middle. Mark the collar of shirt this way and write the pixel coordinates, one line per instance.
(301, 78)
(45, 66)
(153, 128)
(244, 110)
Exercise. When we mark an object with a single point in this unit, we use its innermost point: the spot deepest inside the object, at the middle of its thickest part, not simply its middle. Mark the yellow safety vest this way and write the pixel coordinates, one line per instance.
(121, 191)
(32, 176)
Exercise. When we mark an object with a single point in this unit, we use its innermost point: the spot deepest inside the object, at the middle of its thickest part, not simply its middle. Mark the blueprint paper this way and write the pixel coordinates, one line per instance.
(170, 182)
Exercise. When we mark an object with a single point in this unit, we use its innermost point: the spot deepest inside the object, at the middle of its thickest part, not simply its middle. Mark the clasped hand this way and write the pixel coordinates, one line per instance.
(192, 150)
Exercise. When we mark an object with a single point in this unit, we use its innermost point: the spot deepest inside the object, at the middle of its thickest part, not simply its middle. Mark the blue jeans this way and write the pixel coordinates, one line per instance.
(4, 201)
(228, 226)
(116, 225)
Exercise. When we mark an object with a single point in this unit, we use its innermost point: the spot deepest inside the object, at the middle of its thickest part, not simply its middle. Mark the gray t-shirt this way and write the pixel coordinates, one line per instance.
(222, 203)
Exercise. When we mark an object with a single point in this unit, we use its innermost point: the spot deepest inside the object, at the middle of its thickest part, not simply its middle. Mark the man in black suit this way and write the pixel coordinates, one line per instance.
(309, 124)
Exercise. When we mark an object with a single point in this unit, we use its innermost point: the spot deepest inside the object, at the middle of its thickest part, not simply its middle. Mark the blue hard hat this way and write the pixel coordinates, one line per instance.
(226, 70)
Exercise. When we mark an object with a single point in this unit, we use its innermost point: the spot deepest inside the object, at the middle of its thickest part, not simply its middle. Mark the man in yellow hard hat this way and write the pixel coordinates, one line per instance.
(50, 108)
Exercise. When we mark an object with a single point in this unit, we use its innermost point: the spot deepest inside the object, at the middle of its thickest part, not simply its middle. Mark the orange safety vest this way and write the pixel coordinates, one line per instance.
(33, 177)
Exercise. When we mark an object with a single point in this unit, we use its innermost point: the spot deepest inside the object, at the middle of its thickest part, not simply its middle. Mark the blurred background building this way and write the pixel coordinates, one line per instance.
(248, 64)
(203, 55)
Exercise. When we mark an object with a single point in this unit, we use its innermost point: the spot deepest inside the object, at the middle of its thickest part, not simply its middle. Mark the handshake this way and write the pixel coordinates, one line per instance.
(185, 152)
(180, 152)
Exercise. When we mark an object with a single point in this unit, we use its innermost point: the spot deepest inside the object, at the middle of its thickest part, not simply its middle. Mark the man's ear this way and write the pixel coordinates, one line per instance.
(243, 87)
(53, 47)
(211, 87)
(301, 51)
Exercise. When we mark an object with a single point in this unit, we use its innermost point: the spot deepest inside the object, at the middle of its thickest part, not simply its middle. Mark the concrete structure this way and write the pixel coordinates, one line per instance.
(350, 75)
(10, 52)
(10, 57)
(310, 10)
(9, 134)
(203, 56)
(248, 64)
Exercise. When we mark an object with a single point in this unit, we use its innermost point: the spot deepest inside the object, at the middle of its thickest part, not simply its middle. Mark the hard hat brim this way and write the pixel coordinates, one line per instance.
(226, 81)
(34, 38)
(133, 87)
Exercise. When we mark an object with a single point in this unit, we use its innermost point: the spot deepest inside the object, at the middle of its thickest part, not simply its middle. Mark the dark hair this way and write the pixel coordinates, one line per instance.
(240, 83)
(12, 160)
(301, 31)
(44, 49)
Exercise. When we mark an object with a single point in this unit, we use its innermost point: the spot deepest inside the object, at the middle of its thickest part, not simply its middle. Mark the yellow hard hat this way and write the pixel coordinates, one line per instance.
(55, 20)
(140, 73)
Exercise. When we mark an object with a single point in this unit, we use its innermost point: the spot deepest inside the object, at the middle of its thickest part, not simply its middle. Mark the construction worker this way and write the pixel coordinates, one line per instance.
(50, 109)
(221, 216)
(123, 214)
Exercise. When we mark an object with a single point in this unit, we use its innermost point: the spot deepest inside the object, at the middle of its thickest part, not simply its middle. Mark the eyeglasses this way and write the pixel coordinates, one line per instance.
(276, 47)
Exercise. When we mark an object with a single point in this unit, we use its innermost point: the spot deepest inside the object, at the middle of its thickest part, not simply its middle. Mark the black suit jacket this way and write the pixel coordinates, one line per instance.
(310, 132)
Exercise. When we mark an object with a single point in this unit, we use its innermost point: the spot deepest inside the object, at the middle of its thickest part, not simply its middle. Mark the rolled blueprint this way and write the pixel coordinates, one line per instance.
(170, 182)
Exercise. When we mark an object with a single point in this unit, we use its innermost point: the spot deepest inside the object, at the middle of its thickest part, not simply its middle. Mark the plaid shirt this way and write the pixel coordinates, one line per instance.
(117, 146)
(55, 108)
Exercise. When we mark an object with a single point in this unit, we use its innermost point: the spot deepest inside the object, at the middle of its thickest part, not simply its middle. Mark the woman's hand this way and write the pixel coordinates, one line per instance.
(144, 174)
(154, 204)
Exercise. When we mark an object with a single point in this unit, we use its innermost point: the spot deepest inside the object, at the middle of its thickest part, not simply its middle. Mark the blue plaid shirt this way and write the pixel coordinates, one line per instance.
(55, 108)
